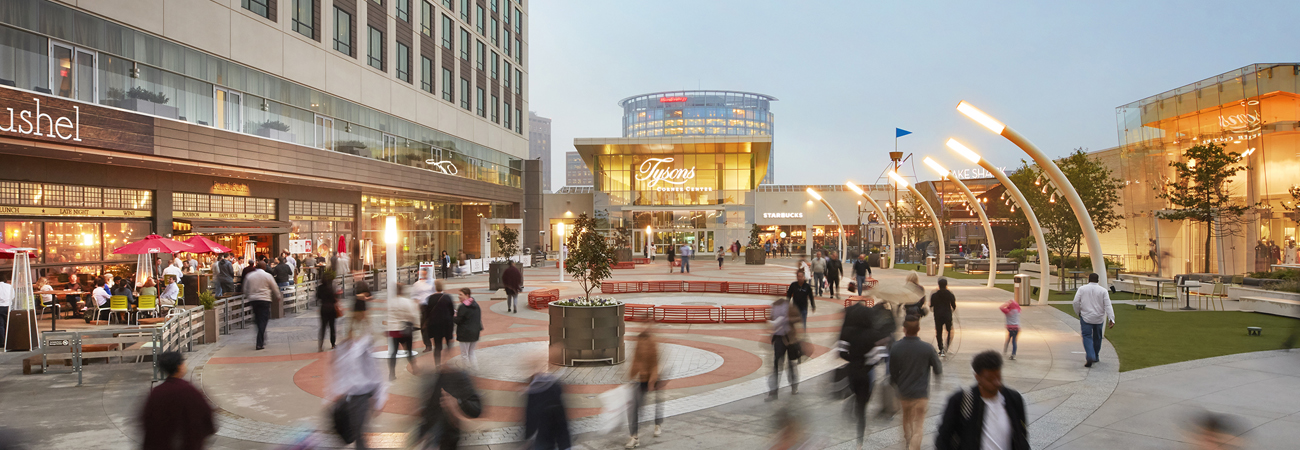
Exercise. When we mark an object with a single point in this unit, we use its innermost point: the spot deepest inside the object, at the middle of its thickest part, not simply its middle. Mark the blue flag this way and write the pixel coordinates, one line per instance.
(899, 132)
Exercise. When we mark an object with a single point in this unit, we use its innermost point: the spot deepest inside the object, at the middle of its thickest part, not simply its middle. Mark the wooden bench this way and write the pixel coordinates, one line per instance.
(638, 312)
(641, 260)
(541, 298)
(623, 265)
(746, 313)
(687, 314)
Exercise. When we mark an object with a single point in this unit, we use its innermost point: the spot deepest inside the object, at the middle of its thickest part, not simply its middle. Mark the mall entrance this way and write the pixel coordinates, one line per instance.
(701, 240)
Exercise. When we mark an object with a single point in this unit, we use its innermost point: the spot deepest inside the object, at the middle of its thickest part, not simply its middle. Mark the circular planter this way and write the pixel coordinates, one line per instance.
(755, 256)
(586, 334)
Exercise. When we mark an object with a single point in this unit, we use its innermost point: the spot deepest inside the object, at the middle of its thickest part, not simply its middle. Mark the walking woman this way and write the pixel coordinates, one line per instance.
(645, 373)
(439, 322)
(672, 256)
(785, 345)
(1012, 310)
(721, 253)
(403, 314)
(469, 323)
(328, 296)
(357, 389)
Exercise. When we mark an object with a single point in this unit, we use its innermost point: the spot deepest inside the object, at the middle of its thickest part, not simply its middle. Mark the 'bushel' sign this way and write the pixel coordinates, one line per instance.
(47, 118)
(62, 127)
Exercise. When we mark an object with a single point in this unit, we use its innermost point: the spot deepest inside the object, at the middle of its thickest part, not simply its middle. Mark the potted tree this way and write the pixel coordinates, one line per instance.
(352, 147)
(142, 100)
(209, 303)
(622, 244)
(754, 253)
(587, 328)
(277, 130)
(507, 240)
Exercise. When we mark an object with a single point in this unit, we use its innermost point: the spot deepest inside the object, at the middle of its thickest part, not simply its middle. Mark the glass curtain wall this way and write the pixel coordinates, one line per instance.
(425, 228)
(719, 179)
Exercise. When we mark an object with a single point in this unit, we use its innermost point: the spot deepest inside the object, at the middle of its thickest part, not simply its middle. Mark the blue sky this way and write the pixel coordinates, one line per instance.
(847, 73)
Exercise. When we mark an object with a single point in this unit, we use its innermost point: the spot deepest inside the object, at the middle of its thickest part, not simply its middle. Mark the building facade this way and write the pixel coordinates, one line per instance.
(576, 172)
(699, 113)
(539, 145)
(261, 124)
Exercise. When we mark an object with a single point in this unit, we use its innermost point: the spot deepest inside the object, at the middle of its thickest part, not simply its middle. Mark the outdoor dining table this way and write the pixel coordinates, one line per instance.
(1187, 293)
(54, 319)
(1159, 282)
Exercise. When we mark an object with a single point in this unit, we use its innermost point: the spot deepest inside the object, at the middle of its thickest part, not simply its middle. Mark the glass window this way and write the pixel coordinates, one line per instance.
(505, 44)
(507, 80)
(376, 42)
(480, 51)
(426, 74)
(464, 44)
(519, 51)
(227, 114)
(72, 72)
(519, 82)
(258, 7)
(507, 117)
(403, 62)
(519, 21)
(426, 18)
(478, 19)
(448, 89)
(494, 6)
(68, 242)
(342, 31)
(464, 93)
(496, 63)
(117, 234)
(519, 121)
(446, 4)
(304, 18)
(464, 10)
(496, 113)
(23, 235)
(496, 35)
(22, 59)
(404, 10)
(448, 41)
(482, 108)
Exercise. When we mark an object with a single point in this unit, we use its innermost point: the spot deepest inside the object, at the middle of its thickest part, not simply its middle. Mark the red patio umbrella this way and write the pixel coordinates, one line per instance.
(153, 244)
(205, 245)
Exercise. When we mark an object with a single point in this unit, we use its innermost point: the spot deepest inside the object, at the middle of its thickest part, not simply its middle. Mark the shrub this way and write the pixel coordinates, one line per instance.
(276, 125)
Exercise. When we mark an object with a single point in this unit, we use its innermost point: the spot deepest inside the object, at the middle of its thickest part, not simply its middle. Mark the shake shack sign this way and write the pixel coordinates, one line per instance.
(27, 115)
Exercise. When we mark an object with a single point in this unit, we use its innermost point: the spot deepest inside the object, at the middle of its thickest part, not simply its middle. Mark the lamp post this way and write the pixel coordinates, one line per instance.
(1053, 173)
(839, 223)
(649, 242)
(563, 251)
(889, 227)
(1024, 205)
(390, 240)
(938, 230)
(984, 218)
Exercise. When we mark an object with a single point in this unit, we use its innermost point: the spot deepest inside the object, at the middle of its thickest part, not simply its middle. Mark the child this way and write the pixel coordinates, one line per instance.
(1012, 311)
(721, 252)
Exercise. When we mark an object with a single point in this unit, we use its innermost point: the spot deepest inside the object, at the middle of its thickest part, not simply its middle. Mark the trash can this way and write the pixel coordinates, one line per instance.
(931, 267)
(1023, 291)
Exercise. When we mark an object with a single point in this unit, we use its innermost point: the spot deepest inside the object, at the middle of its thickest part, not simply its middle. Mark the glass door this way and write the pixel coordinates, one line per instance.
(390, 148)
(228, 111)
(324, 133)
(72, 72)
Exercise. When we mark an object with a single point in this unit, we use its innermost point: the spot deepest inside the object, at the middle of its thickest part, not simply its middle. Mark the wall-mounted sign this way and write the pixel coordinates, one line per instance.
(322, 218)
(784, 215)
(443, 167)
(222, 215)
(683, 189)
(654, 170)
(1240, 123)
(55, 119)
(71, 212)
(973, 173)
(238, 189)
(671, 99)
(300, 246)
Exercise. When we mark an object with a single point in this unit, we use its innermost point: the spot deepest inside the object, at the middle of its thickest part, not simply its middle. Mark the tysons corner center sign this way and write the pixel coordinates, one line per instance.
(26, 115)
(654, 170)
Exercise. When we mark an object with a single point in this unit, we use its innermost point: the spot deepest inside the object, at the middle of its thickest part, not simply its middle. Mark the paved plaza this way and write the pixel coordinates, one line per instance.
(717, 381)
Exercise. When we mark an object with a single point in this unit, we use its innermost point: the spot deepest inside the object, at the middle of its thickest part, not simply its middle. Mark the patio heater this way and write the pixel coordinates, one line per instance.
(20, 332)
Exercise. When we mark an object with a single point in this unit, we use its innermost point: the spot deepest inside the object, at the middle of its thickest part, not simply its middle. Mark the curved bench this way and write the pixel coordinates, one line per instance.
(638, 312)
(641, 260)
(687, 314)
(746, 313)
(854, 299)
(623, 265)
(541, 298)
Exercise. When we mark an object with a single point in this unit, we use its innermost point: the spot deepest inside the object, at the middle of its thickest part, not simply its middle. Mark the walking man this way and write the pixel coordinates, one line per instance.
(784, 346)
(513, 279)
(818, 271)
(225, 275)
(986, 416)
(943, 303)
(861, 270)
(176, 415)
(800, 294)
(260, 288)
(439, 321)
(859, 344)
(910, 362)
(687, 252)
(834, 268)
(1092, 305)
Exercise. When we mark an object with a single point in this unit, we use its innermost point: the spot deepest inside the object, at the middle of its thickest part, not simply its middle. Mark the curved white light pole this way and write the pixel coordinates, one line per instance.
(889, 228)
(938, 230)
(984, 218)
(1053, 173)
(1024, 205)
(837, 217)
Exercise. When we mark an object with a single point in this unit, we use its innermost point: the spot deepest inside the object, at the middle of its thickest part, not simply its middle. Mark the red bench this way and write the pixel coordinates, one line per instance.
(641, 260)
(541, 298)
(663, 286)
(706, 286)
(620, 287)
(745, 313)
(638, 312)
(757, 288)
(623, 265)
(854, 299)
(687, 314)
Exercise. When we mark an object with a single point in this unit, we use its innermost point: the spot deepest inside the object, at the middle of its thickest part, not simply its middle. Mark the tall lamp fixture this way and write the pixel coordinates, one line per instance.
(390, 241)
(819, 198)
(984, 218)
(889, 228)
(1055, 175)
(1019, 197)
(938, 230)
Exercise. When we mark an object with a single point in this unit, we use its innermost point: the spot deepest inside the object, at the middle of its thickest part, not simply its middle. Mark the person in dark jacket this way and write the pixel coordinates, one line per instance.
(986, 416)
(439, 320)
(469, 323)
(176, 415)
(225, 275)
(328, 296)
(283, 272)
(861, 270)
(513, 280)
(449, 399)
(800, 295)
(672, 256)
(546, 421)
(943, 304)
(834, 269)
(862, 331)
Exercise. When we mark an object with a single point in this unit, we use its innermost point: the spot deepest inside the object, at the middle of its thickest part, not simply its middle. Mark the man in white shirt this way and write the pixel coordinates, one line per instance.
(100, 296)
(6, 300)
(173, 269)
(170, 294)
(1092, 305)
(986, 416)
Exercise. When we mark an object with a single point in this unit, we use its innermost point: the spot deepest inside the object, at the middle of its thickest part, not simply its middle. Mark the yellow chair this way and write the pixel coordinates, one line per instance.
(118, 304)
(148, 304)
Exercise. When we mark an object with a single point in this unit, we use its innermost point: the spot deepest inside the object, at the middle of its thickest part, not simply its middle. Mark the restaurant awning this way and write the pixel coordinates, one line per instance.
(230, 226)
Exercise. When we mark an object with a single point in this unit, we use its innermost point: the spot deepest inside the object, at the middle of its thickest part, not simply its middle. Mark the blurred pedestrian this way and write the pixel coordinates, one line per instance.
(1213, 431)
(1092, 305)
(469, 324)
(645, 374)
(225, 269)
(328, 297)
(910, 362)
(357, 390)
(175, 415)
(722, 252)
(985, 416)
(818, 272)
(672, 256)
(860, 344)
(834, 269)
(687, 253)
(546, 421)
(260, 288)
(421, 290)
(1011, 309)
(403, 314)
(360, 296)
(735, 250)
(861, 270)
(801, 296)
(439, 321)
(513, 280)
(785, 339)
(449, 401)
(943, 303)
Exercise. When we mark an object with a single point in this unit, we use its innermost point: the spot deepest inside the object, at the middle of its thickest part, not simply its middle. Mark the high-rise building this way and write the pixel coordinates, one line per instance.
(576, 172)
(539, 145)
(699, 113)
(265, 125)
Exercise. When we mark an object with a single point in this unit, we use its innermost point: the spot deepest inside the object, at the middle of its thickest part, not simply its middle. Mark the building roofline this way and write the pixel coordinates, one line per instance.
(1243, 70)
(688, 91)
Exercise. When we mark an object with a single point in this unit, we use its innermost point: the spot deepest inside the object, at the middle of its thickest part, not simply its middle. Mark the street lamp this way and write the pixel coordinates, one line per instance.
(563, 253)
(889, 228)
(984, 218)
(649, 241)
(390, 242)
(819, 198)
(1024, 206)
(1055, 175)
(938, 231)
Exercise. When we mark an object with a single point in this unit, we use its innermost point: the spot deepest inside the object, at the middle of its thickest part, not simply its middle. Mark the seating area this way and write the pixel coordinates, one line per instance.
(623, 265)
(542, 298)
(720, 287)
(640, 260)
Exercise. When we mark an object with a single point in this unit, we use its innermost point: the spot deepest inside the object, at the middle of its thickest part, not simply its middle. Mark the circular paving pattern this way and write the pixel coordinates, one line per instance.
(516, 363)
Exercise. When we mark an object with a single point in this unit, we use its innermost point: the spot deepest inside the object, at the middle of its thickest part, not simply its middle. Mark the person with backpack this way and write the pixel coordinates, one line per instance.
(986, 416)
(357, 388)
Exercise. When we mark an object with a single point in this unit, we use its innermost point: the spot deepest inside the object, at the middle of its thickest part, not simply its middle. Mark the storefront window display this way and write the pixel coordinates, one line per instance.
(425, 228)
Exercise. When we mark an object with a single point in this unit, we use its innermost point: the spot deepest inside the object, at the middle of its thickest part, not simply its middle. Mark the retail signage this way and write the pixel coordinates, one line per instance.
(683, 189)
(1240, 123)
(238, 189)
(784, 215)
(322, 218)
(71, 212)
(222, 215)
(46, 118)
(973, 173)
(300, 246)
(654, 170)
(443, 167)
(671, 99)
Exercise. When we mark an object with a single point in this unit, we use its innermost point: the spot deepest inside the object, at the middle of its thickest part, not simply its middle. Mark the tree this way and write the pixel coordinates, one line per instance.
(755, 242)
(1200, 191)
(507, 240)
(1096, 186)
(590, 255)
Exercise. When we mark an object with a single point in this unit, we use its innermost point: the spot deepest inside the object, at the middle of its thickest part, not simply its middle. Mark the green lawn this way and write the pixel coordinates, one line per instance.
(1058, 296)
(1152, 337)
(954, 273)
